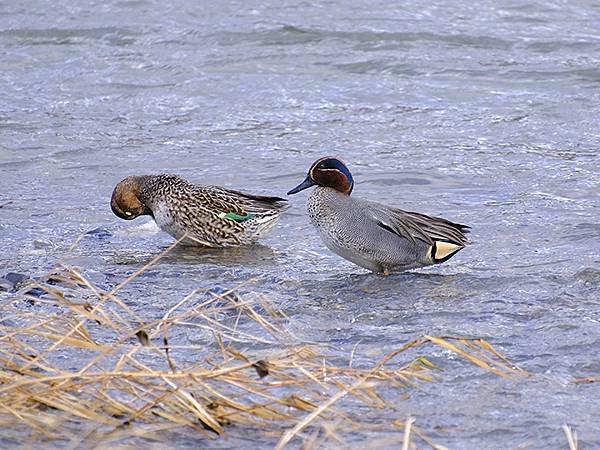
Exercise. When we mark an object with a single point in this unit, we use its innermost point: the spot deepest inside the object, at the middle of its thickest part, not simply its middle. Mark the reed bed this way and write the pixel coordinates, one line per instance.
(79, 368)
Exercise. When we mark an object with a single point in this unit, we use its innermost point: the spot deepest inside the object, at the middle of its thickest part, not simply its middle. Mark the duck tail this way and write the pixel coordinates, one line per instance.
(442, 251)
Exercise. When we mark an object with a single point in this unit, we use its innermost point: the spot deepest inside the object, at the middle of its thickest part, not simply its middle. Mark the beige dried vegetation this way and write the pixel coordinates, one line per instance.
(78, 367)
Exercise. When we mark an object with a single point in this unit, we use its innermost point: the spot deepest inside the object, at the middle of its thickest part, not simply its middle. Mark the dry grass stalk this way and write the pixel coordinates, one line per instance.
(571, 437)
(407, 427)
(77, 356)
(586, 380)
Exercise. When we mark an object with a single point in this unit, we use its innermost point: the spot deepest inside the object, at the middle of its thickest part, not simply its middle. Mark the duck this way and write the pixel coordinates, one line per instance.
(207, 216)
(372, 235)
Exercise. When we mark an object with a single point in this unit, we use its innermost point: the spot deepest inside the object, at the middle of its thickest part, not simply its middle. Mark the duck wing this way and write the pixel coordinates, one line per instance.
(445, 238)
(412, 226)
(221, 214)
(243, 202)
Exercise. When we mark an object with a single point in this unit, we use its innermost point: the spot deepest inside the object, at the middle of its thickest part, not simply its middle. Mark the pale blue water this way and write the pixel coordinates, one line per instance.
(485, 113)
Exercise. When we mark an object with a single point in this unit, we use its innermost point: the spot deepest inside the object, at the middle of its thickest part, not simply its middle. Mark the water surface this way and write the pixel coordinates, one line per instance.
(486, 115)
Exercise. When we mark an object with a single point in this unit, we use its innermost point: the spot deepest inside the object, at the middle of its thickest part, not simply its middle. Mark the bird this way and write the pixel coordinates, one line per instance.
(374, 236)
(208, 216)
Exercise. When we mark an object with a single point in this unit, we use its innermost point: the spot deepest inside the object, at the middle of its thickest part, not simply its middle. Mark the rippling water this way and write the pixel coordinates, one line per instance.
(483, 113)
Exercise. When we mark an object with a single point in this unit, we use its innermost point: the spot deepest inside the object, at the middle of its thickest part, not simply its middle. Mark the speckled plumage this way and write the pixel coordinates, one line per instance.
(208, 215)
(372, 235)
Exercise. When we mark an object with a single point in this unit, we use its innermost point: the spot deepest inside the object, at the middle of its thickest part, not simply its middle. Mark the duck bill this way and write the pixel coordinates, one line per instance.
(304, 185)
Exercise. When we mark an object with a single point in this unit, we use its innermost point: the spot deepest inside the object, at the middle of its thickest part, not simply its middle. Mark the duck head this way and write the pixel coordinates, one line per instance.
(327, 172)
(125, 201)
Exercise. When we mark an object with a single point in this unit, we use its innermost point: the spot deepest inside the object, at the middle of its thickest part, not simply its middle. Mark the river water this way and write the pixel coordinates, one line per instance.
(483, 113)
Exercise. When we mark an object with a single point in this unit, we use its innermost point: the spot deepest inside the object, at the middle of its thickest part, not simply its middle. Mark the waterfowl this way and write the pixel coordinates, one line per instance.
(208, 216)
(372, 235)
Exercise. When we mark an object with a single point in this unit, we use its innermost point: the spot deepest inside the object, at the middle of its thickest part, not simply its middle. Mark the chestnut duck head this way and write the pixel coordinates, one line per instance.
(125, 201)
(327, 172)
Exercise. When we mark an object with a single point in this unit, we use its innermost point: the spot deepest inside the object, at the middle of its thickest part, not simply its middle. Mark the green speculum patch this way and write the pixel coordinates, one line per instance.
(237, 217)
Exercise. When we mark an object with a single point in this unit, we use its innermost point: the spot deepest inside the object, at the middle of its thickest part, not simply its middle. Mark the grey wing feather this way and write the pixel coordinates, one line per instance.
(411, 225)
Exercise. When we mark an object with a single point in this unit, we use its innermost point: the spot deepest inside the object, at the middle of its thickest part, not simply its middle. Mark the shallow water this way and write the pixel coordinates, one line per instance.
(486, 116)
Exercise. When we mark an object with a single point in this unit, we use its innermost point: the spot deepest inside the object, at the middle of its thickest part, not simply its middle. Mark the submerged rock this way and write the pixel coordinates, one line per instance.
(589, 276)
(15, 277)
(13, 281)
(100, 233)
(41, 245)
(5, 286)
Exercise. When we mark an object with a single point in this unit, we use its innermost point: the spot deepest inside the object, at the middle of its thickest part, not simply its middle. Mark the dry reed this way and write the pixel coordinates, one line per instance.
(81, 368)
